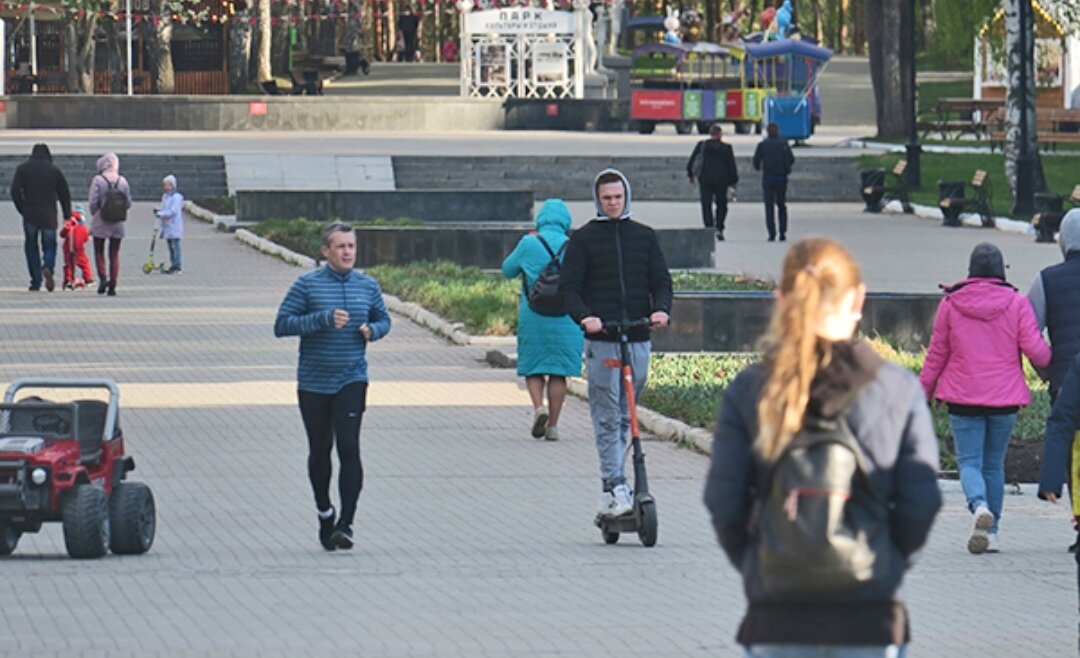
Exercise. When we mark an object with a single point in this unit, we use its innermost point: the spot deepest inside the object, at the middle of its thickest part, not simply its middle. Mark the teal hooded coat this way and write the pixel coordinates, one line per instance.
(545, 345)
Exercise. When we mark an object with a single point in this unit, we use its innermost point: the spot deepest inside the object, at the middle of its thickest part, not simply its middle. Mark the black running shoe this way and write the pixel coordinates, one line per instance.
(342, 537)
(326, 531)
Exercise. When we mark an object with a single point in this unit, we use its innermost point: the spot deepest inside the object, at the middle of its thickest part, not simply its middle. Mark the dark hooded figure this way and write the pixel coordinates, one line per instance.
(37, 186)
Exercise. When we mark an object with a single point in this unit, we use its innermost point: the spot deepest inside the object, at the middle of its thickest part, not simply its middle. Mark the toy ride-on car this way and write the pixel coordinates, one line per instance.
(65, 462)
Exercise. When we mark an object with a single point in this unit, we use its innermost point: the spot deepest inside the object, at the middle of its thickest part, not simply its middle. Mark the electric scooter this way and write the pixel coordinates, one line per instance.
(642, 518)
(149, 266)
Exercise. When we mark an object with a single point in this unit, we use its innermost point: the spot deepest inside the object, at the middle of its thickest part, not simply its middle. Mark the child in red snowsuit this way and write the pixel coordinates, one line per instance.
(75, 236)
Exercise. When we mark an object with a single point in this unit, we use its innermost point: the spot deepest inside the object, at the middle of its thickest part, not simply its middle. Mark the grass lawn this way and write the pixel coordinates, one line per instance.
(1062, 174)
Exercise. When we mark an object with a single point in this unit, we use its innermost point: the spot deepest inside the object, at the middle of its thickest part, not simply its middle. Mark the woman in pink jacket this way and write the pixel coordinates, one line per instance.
(974, 366)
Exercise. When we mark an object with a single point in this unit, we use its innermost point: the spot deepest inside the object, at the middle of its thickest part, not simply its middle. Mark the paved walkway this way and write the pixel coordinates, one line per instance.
(473, 538)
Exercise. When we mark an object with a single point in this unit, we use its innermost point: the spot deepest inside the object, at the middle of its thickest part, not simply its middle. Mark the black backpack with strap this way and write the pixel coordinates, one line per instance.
(543, 297)
(821, 529)
(114, 206)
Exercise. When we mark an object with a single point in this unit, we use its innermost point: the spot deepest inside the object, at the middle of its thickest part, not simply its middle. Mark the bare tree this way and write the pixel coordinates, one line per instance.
(79, 28)
(240, 38)
(265, 72)
(892, 93)
(159, 46)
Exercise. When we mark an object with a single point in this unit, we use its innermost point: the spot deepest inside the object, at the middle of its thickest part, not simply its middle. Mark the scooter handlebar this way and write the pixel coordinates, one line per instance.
(623, 326)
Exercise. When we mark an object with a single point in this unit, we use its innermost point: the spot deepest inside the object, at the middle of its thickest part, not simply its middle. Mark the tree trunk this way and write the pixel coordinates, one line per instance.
(240, 37)
(159, 48)
(857, 18)
(815, 17)
(892, 104)
(928, 24)
(79, 45)
(1020, 127)
(264, 41)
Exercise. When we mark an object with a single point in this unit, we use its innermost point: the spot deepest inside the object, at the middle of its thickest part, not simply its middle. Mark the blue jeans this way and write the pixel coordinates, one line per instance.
(824, 651)
(174, 254)
(981, 442)
(607, 403)
(38, 258)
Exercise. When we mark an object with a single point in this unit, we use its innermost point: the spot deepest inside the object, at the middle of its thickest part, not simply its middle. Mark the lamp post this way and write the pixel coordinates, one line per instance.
(1025, 193)
(914, 149)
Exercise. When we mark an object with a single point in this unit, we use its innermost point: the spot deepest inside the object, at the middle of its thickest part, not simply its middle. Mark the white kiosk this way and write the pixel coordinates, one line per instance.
(523, 52)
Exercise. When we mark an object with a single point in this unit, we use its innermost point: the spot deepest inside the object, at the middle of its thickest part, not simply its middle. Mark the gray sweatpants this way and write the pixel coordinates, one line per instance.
(607, 403)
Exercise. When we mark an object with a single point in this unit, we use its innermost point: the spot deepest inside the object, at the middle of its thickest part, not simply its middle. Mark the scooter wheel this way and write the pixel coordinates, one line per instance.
(162, 268)
(147, 268)
(649, 528)
(610, 537)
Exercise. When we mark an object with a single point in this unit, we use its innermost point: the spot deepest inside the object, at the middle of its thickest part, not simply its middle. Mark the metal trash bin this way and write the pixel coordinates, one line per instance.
(871, 186)
(950, 189)
(1047, 216)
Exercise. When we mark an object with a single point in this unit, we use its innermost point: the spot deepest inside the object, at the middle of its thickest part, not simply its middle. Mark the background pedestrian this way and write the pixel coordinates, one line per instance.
(774, 159)
(35, 188)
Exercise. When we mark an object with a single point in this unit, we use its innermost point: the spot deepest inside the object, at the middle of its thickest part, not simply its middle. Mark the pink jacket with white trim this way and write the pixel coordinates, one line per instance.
(980, 330)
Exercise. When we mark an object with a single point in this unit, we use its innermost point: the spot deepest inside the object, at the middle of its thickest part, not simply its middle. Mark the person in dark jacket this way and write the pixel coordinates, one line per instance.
(1055, 297)
(36, 187)
(614, 270)
(1062, 440)
(812, 365)
(718, 173)
(774, 159)
(336, 311)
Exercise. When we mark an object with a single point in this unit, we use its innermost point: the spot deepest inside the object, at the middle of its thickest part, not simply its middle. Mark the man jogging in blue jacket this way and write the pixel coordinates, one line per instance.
(336, 311)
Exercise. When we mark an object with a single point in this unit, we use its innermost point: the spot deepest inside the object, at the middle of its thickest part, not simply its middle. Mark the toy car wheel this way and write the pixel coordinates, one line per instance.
(86, 522)
(610, 537)
(9, 539)
(649, 528)
(133, 519)
(703, 127)
(683, 127)
(743, 127)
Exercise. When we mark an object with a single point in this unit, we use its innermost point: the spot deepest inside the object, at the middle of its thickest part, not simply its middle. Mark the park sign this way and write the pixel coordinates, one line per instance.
(514, 20)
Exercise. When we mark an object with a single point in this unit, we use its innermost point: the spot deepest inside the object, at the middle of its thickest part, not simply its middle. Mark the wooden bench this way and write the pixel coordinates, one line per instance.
(1053, 126)
(960, 116)
(980, 203)
(1074, 198)
(899, 191)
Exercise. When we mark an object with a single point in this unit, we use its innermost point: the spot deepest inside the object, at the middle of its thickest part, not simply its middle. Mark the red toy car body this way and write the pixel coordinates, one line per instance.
(66, 462)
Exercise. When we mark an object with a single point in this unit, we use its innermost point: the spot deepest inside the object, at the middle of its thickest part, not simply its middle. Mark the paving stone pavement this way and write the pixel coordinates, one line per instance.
(473, 539)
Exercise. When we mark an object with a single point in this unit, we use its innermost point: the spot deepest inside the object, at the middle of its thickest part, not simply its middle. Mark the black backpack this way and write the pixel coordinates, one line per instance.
(820, 528)
(543, 297)
(115, 205)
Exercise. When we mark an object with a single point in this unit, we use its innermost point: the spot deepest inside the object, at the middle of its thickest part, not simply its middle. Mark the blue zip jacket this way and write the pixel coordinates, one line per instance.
(331, 358)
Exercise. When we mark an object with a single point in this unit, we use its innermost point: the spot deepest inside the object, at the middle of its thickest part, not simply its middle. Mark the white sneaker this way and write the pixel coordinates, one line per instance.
(992, 545)
(983, 517)
(540, 419)
(607, 502)
(624, 501)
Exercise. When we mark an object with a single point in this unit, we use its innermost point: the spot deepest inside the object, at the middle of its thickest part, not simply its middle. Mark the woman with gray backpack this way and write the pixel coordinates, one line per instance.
(549, 343)
(110, 200)
(823, 483)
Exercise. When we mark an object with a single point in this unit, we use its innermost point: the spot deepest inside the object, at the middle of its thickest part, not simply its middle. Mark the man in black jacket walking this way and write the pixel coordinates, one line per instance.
(773, 158)
(716, 173)
(37, 186)
(614, 270)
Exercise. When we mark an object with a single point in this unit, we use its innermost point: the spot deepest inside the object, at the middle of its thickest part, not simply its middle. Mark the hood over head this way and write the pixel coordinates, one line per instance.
(626, 213)
(1069, 232)
(108, 163)
(555, 215)
(986, 262)
(171, 180)
(41, 152)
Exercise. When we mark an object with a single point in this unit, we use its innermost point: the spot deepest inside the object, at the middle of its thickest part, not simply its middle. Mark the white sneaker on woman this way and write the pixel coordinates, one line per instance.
(992, 545)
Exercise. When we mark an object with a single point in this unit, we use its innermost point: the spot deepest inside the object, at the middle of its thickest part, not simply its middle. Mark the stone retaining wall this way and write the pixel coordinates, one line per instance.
(353, 206)
(733, 322)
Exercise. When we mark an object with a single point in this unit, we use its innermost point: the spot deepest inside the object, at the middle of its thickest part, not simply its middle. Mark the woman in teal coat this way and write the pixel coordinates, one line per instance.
(548, 348)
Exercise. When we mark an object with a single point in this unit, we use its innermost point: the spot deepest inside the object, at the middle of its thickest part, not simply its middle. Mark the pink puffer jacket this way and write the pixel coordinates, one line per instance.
(980, 330)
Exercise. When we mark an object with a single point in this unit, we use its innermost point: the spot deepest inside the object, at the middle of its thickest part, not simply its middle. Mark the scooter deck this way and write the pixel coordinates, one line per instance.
(627, 522)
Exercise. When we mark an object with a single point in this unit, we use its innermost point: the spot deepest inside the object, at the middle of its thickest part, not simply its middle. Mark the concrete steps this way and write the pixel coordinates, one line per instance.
(816, 179)
(197, 176)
